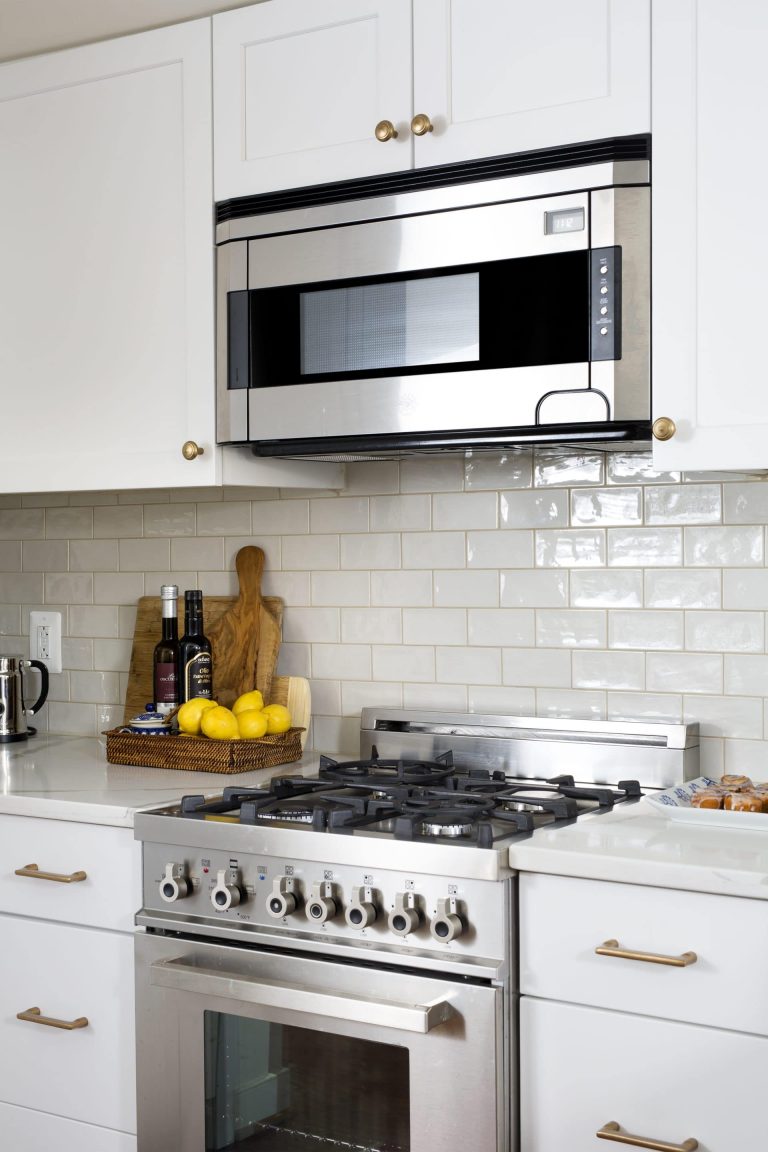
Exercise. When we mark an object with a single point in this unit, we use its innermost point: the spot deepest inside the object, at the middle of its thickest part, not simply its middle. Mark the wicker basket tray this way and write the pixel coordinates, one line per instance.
(199, 754)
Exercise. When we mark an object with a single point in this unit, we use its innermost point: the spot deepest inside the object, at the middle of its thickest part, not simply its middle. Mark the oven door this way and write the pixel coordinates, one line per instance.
(240, 1050)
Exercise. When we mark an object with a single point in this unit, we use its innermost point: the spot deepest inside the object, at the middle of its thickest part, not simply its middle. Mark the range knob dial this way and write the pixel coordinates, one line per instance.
(362, 910)
(321, 905)
(226, 894)
(284, 897)
(447, 924)
(175, 884)
(405, 917)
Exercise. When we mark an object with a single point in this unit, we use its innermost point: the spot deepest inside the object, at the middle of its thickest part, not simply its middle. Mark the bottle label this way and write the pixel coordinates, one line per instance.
(166, 687)
(198, 676)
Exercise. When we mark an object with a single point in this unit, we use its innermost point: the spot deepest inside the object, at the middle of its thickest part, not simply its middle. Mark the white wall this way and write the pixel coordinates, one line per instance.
(552, 583)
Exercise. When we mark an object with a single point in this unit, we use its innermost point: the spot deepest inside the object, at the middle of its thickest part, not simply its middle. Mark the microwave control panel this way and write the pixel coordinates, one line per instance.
(605, 304)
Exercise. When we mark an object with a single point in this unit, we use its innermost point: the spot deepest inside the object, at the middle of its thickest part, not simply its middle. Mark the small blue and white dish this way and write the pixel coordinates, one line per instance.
(149, 723)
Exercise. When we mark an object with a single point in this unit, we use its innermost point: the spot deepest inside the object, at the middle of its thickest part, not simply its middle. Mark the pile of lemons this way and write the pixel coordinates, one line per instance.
(247, 719)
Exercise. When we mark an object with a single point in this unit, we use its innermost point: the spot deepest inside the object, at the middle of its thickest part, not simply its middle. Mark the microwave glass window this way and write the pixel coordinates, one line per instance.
(395, 324)
(275, 1088)
(497, 314)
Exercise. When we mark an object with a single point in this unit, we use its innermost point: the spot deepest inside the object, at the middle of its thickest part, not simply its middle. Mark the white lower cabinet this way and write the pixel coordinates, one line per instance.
(23, 1130)
(54, 972)
(643, 1017)
(68, 895)
(585, 1068)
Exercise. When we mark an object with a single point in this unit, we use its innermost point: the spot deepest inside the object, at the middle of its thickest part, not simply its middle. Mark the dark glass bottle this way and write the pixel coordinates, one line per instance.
(165, 660)
(195, 657)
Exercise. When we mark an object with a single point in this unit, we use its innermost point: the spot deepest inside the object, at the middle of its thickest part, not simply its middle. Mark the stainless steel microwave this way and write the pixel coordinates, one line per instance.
(481, 308)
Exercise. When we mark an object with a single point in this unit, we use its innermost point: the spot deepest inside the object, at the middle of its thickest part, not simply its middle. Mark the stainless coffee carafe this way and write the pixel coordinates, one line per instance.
(13, 711)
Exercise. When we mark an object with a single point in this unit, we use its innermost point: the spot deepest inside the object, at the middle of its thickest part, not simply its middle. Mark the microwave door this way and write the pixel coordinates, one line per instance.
(455, 320)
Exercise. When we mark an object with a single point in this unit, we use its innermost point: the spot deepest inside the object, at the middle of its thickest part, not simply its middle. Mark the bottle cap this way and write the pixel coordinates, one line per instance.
(193, 596)
(169, 591)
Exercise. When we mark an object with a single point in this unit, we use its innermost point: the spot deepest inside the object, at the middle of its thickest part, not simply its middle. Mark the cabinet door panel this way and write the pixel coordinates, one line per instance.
(709, 294)
(106, 287)
(496, 78)
(109, 895)
(26, 1130)
(300, 87)
(563, 920)
(583, 1067)
(86, 1074)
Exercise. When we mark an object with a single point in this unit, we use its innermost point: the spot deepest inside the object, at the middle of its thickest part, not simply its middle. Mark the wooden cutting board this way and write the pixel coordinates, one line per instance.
(230, 622)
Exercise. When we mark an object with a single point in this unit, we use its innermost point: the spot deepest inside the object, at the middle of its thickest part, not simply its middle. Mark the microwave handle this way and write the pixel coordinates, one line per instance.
(183, 977)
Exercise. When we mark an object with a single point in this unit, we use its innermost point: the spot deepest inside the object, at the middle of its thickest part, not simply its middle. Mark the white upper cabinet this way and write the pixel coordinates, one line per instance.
(301, 86)
(710, 296)
(502, 76)
(106, 280)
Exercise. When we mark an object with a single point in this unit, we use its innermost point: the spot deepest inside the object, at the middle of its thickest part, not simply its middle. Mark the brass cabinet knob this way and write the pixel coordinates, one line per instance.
(385, 130)
(663, 428)
(421, 124)
(190, 450)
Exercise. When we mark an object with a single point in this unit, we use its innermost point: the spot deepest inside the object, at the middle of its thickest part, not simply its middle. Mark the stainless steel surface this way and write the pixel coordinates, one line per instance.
(598, 751)
(412, 243)
(13, 707)
(186, 977)
(441, 228)
(536, 184)
(471, 1041)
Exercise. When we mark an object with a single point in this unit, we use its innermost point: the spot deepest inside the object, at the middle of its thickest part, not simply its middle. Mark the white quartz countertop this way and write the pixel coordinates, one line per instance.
(637, 844)
(69, 778)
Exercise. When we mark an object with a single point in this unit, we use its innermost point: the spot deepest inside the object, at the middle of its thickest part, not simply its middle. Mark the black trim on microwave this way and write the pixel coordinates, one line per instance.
(614, 148)
(491, 439)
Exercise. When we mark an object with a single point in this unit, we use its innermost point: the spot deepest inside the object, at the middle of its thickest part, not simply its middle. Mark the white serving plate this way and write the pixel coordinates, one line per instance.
(675, 803)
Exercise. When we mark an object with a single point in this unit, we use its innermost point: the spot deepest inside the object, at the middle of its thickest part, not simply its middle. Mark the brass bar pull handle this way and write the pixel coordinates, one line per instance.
(611, 948)
(34, 1016)
(612, 1131)
(34, 872)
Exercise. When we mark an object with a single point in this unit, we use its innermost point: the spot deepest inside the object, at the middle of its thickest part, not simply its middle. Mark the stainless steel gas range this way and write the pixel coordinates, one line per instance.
(330, 961)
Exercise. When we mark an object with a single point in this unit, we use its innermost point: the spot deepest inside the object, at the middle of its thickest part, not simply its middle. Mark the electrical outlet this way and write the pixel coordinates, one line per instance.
(45, 639)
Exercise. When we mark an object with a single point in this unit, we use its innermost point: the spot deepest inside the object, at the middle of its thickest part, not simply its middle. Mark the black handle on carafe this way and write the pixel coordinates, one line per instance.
(43, 687)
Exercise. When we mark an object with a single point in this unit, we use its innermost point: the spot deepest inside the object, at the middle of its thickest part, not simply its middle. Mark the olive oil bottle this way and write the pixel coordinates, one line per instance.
(195, 655)
(165, 659)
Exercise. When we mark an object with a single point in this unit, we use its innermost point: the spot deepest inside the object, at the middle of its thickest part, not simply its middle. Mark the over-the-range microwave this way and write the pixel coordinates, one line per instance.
(480, 306)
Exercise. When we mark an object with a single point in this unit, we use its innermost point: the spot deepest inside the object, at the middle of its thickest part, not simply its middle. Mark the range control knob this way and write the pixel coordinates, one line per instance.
(447, 924)
(321, 905)
(405, 917)
(174, 884)
(362, 910)
(226, 895)
(284, 897)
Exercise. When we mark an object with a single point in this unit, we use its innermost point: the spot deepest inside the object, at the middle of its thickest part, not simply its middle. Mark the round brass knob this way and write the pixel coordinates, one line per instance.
(190, 450)
(663, 428)
(385, 130)
(421, 124)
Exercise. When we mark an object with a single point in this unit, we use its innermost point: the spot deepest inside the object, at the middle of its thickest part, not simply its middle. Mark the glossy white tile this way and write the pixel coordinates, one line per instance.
(683, 588)
(370, 550)
(341, 514)
(606, 588)
(536, 509)
(566, 467)
(464, 510)
(311, 625)
(683, 504)
(401, 513)
(746, 676)
(645, 629)
(571, 628)
(495, 700)
(403, 662)
(604, 506)
(434, 626)
(372, 626)
(724, 547)
(725, 631)
(280, 517)
(434, 550)
(741, 717)
(684, 672)
(537, 667)
(578, 704)
(536, 589)
(512, 469)
(342, 588)
(609, 670)
(658, 707)
(745, 588)
(404, 589)
(470, 589)
(468, 665)
(644, 547)
(570, 548)
(510, 627)
(503, 549)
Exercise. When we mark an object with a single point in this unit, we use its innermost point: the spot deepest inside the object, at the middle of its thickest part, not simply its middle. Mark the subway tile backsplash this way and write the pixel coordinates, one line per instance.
(552, 582)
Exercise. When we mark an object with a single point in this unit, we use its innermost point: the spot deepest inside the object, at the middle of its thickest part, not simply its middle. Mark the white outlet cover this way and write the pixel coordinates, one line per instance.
(51, 621)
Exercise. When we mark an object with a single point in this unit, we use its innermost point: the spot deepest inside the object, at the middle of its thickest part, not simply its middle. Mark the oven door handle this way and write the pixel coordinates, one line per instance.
(182, 976)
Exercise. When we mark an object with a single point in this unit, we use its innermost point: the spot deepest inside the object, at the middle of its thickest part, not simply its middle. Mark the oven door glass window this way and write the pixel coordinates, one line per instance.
(497, 314)
(274, 1088)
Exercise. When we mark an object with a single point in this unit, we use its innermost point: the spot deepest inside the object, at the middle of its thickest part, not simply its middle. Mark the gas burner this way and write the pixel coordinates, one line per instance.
(378, 773)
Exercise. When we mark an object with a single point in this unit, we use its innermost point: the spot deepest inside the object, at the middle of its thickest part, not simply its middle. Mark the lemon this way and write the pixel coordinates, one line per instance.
(191, 713)
(220, 724)
(248, 701)
(278, 718)
(252, 724)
